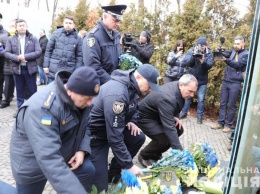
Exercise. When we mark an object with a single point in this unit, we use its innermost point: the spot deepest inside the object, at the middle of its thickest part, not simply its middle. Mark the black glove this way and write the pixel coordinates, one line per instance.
(134, 45)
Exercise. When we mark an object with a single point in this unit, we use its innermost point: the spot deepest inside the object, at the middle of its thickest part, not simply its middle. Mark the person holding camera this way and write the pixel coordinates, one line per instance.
(231, 84)
(200, 59)
(142, 49)
(176, 66)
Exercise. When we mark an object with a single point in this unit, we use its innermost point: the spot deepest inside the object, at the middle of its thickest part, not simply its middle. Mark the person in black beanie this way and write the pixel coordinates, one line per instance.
(142, 49)
(52, 127)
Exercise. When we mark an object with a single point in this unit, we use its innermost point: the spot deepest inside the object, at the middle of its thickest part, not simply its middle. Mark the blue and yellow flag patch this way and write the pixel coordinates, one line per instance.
(46, 120)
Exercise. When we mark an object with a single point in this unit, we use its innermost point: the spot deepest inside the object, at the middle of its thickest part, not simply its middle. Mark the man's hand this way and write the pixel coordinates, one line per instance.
(46, 70)
(134, 129)
(178, 122)
(21, 58)
(77, 160)
(135, 170)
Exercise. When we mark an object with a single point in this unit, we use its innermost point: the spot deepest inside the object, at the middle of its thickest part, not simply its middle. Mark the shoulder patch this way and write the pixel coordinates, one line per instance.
(118, 107)
(48, 102)
(91, 41)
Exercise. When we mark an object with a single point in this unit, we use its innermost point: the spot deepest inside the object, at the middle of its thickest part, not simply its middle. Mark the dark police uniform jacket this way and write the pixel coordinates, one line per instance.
(234, 69)
(101, 50)
(113, 108)
(157, 111)
(47, 133)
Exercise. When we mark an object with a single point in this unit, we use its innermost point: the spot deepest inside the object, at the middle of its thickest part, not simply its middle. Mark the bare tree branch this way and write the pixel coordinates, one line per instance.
(7, 1)
(47, 4)
(55, 4)
(39, 4)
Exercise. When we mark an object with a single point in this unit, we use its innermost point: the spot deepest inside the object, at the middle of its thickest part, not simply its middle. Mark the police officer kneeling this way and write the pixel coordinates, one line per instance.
(49, 139)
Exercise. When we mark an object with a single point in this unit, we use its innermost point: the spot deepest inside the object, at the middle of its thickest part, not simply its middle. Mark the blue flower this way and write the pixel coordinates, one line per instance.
(130, 179)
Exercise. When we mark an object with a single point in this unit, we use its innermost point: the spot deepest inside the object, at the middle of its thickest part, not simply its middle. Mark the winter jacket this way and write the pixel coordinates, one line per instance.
(3, 37)
(43, 44)
(234, 69)
(102, 50)
(115, 106)
(63, 52)
(49, 130)
(32, 51)
(143, 52)
(200, 71)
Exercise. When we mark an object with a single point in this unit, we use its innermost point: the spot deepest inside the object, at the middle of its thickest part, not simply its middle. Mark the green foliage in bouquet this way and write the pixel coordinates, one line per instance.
(127, 62)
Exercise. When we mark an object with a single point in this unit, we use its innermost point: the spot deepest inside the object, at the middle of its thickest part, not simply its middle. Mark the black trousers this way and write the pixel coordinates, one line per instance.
(159, 144)
(9, 88)
(1, 85)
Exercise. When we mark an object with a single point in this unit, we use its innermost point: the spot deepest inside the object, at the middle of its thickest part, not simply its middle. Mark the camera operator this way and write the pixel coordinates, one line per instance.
(200, 59)
(231, 84)
(142, 49)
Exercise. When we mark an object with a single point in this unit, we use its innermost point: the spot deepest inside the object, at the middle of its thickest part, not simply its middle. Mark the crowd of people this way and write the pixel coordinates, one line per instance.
(63, 132)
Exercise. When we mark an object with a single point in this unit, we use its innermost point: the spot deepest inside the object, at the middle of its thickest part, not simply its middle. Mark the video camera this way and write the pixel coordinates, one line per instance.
(197, 52)
(127, 42)
(221, 52)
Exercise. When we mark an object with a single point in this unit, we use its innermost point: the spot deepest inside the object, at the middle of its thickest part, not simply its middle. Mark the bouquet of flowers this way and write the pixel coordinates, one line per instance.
(127, 62)
(179, 162)
(206, 159)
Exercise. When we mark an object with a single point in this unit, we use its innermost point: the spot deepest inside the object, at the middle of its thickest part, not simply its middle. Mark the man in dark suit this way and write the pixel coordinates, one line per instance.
(158, 117)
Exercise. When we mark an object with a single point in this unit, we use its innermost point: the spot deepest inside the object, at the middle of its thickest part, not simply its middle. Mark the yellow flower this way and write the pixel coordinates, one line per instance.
(136, 190)
(211, 172)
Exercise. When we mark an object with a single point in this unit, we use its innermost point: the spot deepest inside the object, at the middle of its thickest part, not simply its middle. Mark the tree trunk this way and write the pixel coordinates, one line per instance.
(47, 4)
(179, 7)
(7, 1)
(55, 4)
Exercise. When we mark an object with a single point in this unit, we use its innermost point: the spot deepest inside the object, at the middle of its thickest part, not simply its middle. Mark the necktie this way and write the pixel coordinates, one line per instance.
(236, 57)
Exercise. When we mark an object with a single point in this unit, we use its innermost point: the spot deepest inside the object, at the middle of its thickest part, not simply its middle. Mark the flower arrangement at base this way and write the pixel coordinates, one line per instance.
(206, 159)
(127, 62)
(179, 162)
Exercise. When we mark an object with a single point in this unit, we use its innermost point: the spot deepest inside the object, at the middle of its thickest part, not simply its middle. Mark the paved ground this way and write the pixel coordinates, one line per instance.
(193, 133)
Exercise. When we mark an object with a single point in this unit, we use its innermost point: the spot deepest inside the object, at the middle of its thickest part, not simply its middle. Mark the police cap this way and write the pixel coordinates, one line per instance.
(115, 10)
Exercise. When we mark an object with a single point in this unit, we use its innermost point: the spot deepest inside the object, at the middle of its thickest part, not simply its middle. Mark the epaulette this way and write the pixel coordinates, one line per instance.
(96, 28)
(49, 100)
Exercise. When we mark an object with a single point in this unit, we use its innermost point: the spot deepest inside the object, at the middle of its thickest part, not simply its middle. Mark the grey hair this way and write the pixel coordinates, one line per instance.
(240, 37)
(187, 78)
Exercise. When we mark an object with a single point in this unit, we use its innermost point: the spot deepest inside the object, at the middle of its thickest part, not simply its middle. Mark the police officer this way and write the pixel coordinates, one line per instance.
(49, 139)
(101, 46)
(113, 122)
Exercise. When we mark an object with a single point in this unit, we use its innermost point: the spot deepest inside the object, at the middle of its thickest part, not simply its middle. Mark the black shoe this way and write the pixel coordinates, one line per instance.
(144, 162)
(4, 104)
(182, 116)
(199, 120)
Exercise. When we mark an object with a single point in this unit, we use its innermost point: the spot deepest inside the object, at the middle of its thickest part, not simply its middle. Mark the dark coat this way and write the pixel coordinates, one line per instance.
(143, 52)
(160, 108)
(63, 52)
(200, 71)
(43, 44)
(3, 38)
(32, 51)
(115, 106)
(176, 66)
(40, 149)
(102, 50)
(234, 69)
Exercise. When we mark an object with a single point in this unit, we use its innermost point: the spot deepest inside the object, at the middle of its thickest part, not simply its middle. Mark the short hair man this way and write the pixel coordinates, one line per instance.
(142, 49)
(101, 46)
(158, 117)
(23, 49)
(231, 85)
(64, 50)
(201, 62)
(113, 122)
(49, 139)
